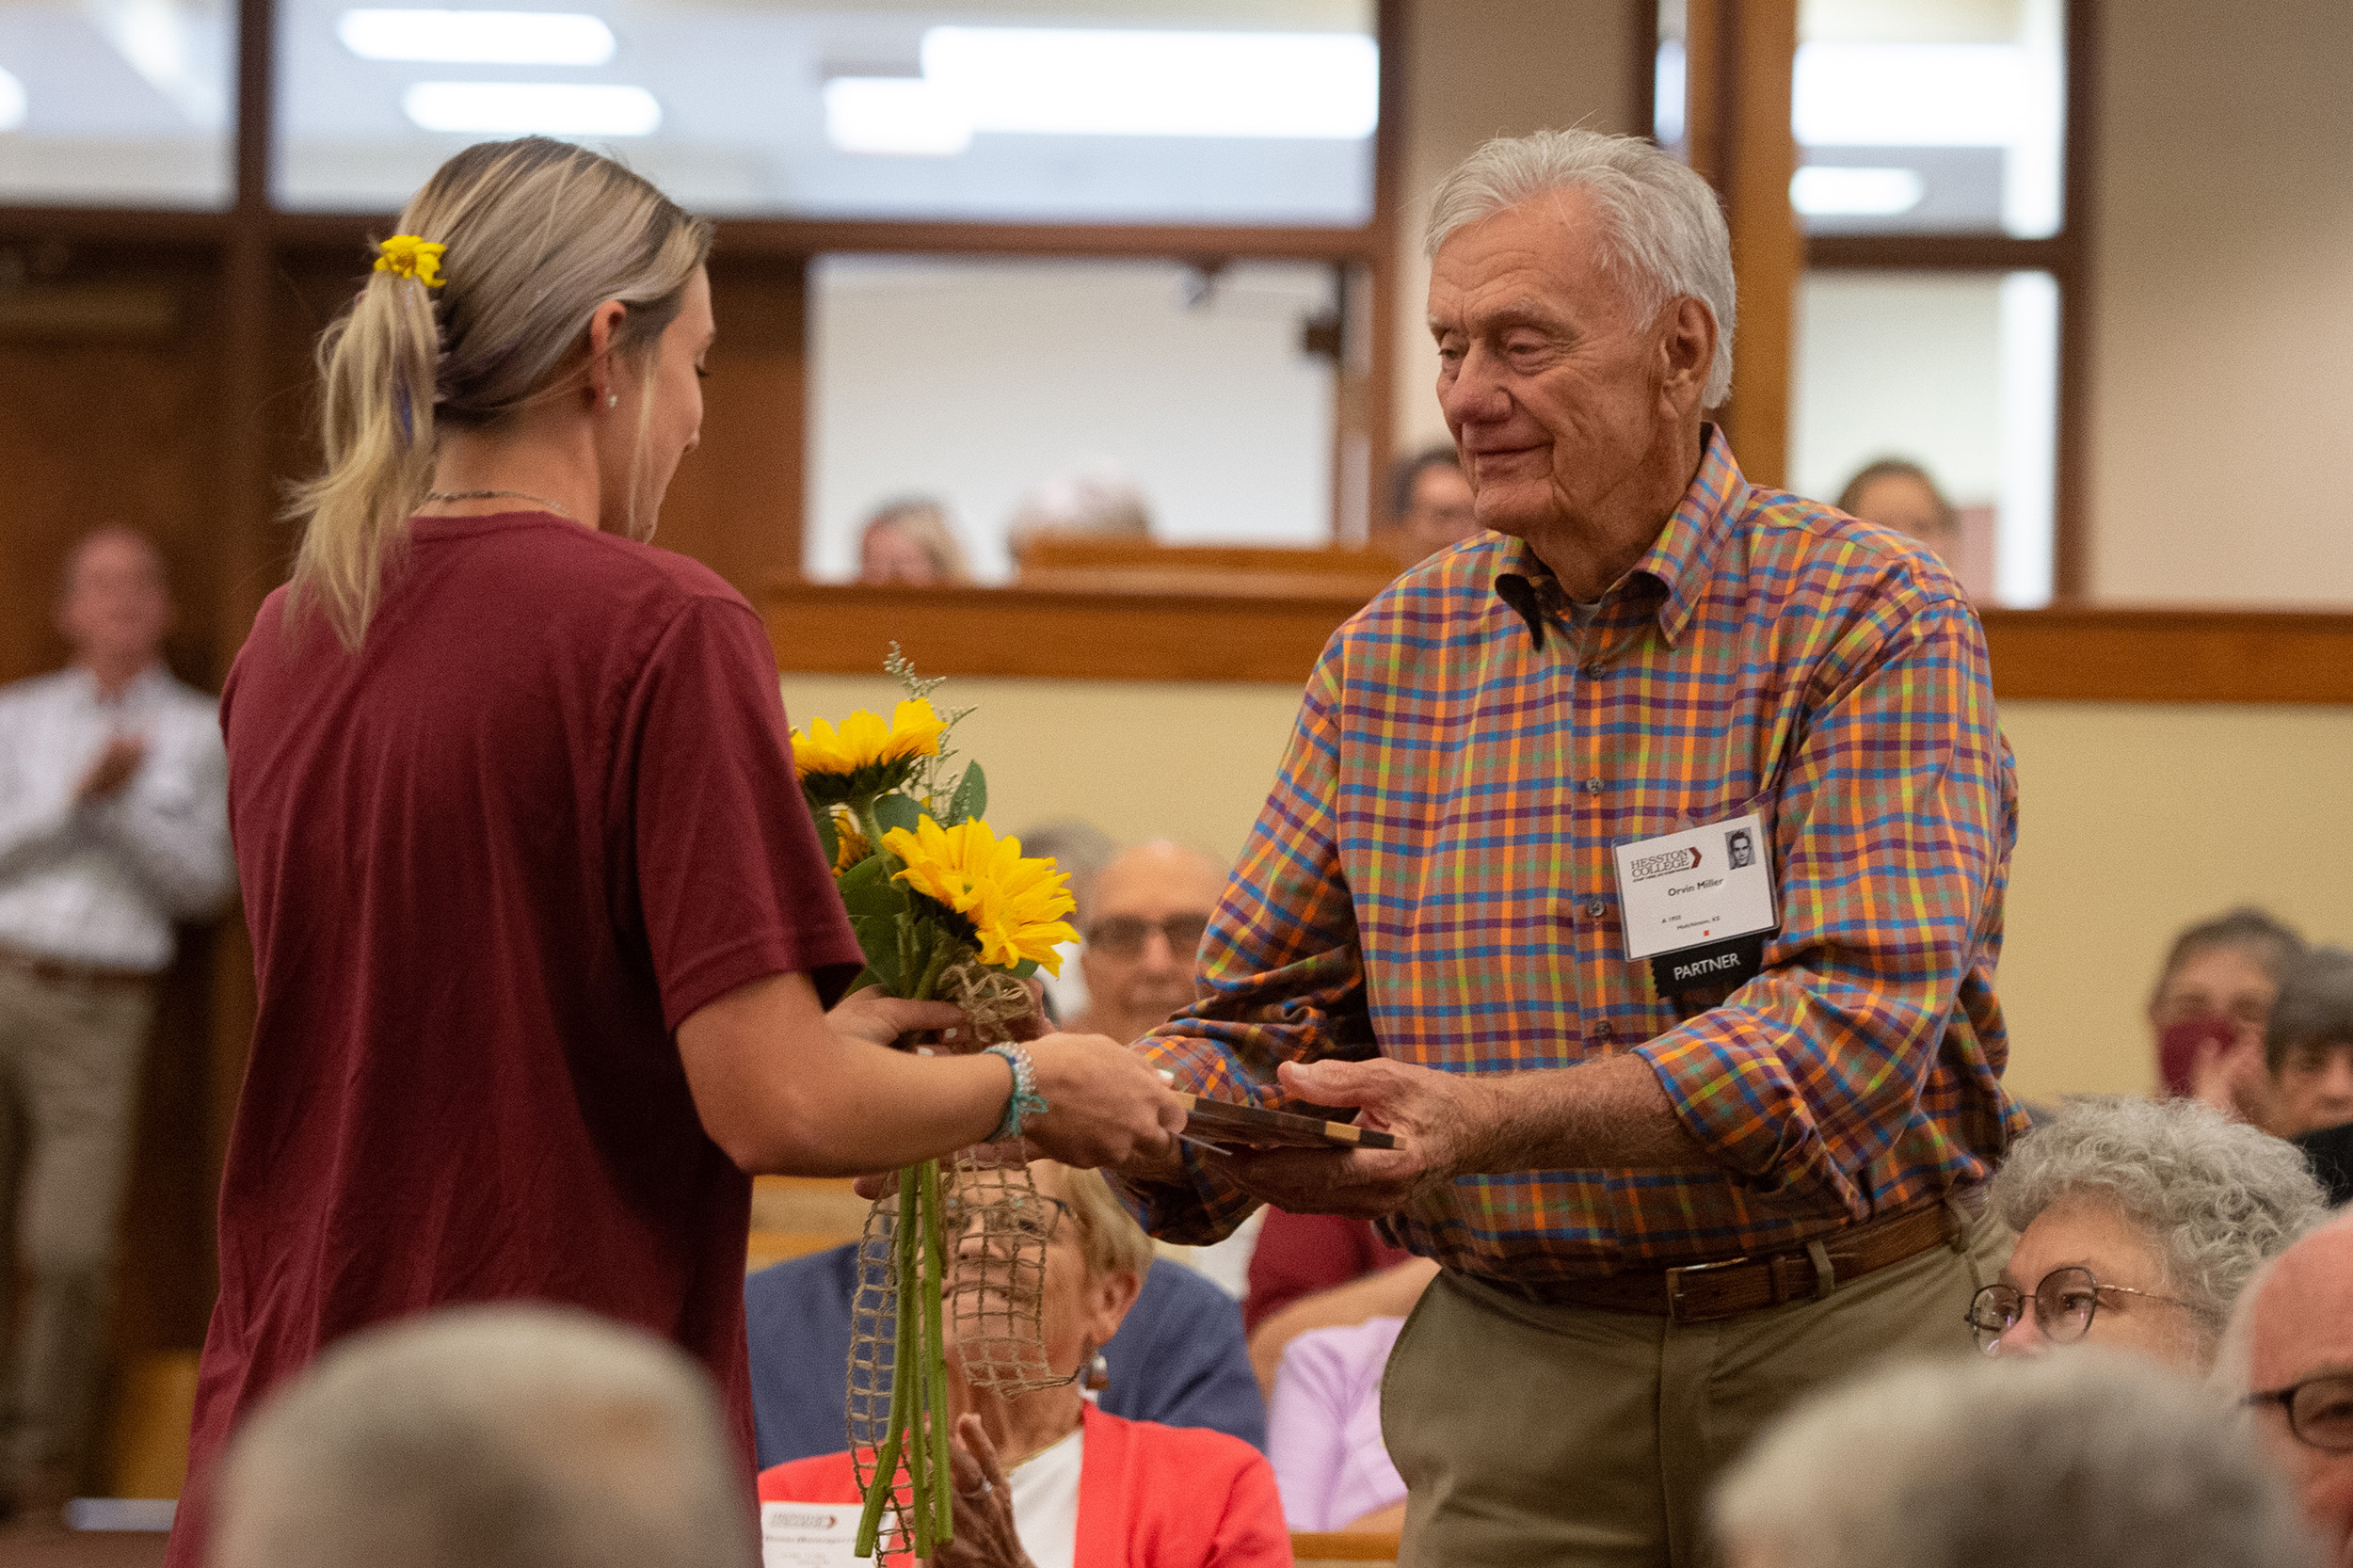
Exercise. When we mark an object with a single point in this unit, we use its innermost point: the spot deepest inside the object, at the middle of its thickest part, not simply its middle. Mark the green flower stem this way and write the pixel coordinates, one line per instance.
(935, 1365)
(902, 1358)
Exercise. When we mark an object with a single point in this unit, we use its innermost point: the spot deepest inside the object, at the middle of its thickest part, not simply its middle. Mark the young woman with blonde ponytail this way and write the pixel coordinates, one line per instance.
(543, 937)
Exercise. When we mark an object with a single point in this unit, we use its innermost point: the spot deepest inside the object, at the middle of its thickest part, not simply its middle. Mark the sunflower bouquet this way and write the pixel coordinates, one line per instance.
(944, 909)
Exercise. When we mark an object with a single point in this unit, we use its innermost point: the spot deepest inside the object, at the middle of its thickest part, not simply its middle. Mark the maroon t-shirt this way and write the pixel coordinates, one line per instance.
(489, 862)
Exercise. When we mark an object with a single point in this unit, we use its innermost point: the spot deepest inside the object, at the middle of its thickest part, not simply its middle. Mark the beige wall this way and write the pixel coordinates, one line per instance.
(2223, 301)
(2136, 821)
(1490, 68)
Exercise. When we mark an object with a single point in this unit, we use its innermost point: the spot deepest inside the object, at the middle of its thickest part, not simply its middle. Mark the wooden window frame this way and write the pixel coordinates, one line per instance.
(253, 240)
(2066, 256)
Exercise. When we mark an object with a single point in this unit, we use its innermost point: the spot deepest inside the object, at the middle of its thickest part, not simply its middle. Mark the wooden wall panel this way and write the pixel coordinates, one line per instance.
(735, 504)
(2080, 654)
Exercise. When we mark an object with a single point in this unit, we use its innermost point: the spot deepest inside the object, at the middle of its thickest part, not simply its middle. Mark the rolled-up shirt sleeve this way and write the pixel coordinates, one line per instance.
(1281, 975)
(1890, 833)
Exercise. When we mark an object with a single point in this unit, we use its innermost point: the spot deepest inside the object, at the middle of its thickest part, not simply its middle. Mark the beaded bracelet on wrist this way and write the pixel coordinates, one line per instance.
(1025, 1102)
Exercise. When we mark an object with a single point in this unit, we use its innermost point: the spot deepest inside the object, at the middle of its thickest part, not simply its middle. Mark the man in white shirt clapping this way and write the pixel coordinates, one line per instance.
(113, 824)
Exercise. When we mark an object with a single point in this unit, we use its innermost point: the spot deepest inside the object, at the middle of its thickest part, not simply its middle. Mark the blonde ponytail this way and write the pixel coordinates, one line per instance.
(538, 234)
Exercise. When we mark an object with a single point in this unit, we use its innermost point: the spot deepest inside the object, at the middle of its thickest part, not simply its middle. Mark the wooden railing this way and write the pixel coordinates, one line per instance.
(1272, 629)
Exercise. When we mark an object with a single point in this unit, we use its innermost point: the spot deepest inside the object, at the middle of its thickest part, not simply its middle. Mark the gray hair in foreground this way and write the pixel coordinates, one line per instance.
(1667, 237)
(2215, 1197)
(2091, 1459)
(514, 1436)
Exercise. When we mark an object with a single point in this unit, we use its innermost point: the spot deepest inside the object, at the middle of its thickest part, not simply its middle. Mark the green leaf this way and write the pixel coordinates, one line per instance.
(868, 894)
(1024, 970)
(895, 810)
(828, 840)
(878, 939)
(971, 799)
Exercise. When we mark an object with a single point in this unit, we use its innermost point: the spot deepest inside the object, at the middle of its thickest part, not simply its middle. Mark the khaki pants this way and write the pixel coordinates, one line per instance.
(69, 1054)
(1529, 1433)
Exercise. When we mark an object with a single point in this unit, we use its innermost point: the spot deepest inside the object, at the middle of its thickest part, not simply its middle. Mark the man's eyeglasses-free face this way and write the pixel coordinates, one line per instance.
(2319, 1410)
(2064, 1304)
(1124, 935)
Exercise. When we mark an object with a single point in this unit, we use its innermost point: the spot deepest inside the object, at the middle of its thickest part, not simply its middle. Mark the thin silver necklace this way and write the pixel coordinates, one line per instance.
(493, 495)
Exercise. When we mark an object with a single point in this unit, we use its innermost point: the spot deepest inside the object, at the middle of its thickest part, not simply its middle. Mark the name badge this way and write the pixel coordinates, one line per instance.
(1697, 903)
(809, 1535)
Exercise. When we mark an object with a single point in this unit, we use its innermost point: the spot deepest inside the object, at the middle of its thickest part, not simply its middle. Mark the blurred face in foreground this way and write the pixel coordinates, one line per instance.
(2300, 1337)
(2100, 1279)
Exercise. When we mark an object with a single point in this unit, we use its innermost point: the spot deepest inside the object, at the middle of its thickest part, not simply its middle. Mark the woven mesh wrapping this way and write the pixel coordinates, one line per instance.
(997, 1228)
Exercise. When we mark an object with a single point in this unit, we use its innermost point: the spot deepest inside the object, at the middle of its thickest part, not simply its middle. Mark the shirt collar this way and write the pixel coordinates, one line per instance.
(1678, 560)
(143, 687)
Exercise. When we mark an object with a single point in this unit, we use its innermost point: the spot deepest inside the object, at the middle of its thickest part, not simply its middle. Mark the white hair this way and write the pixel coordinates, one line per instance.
(1665, 238)
(2213, 1197)
(2094, 1459)
(505, 1436)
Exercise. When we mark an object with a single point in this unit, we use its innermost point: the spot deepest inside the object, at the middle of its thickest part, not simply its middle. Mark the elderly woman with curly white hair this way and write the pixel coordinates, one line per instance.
(2139, 1221)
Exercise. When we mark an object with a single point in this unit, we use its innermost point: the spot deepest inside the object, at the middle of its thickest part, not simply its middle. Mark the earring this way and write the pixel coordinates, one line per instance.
(1099, 1373)
(612, 400)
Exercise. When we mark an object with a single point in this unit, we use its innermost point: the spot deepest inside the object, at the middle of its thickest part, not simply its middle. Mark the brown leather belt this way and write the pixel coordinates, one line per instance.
(1700, 1293)
(56, 972)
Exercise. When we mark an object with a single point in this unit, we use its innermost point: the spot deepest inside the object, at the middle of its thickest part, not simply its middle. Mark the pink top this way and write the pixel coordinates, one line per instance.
(1323, 1426)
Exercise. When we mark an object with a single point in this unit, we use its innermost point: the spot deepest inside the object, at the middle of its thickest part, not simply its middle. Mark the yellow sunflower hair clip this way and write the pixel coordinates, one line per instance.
(406, 256)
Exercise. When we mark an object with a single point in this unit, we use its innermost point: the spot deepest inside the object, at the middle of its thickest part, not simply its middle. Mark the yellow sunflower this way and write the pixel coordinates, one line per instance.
(1016, 905)
(850, 845)
(865, 756)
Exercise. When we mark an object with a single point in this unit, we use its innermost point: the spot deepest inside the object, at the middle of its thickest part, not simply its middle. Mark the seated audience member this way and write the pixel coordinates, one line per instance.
(2139, 1221)
(1180, 1358)
(1101, 500)
(2289, 1355)
(909, 541)
(1899, 494)
(474, 1436)
(2084, 1462)
(2308, 1044)
(1143, 931)
(1050, 1478)
(1323, 1430)
(1429, 501)
(2212, 1001)
(1322, 1270)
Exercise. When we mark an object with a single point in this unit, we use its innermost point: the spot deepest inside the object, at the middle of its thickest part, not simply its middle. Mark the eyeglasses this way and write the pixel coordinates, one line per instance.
(2319, 1410)
(1013, 1214)
(1124, 935)
(2064, 1304)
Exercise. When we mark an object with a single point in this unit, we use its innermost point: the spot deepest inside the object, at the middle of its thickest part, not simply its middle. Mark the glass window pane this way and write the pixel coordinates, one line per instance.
(1921, 118)
(116, 102)
(1957, 372)
(1214, 111)
(1036, 378)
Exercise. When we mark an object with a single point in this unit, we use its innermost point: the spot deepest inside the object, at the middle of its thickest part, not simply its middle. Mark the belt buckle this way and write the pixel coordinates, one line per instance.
(1675, 1284)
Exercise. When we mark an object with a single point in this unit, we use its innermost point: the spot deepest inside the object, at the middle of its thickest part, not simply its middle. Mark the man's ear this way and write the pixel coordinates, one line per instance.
(1687, 348)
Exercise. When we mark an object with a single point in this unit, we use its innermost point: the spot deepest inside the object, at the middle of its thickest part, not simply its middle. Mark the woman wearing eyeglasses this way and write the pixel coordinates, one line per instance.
(1046, 1479)
(2139, 1221)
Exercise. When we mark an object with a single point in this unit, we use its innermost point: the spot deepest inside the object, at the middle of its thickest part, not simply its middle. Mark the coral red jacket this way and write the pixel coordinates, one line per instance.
(1150, 1496)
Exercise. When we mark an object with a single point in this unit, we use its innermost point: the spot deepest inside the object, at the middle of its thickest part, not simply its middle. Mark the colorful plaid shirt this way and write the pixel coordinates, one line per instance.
(1432, 879)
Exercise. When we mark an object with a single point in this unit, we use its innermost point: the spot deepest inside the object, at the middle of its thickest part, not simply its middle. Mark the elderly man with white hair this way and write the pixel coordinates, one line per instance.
(1639, 865)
